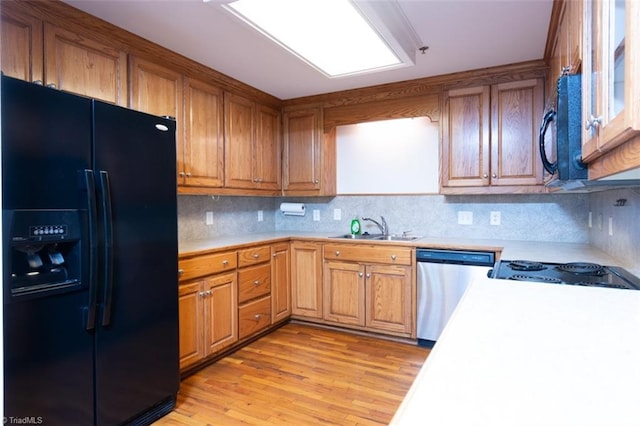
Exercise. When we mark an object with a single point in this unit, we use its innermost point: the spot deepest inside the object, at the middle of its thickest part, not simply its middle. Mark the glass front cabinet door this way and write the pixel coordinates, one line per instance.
(611, 75)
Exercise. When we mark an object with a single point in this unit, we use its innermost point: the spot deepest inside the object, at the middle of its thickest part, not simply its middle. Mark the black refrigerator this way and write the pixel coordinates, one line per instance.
(90, 288)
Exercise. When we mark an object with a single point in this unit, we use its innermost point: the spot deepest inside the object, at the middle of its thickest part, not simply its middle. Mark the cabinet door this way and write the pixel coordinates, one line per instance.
(267, 148)
(280, 282)
(201, 157)
(306, 279)
(302, 150)
(156, 90)
(611, 90)
(78, 64)
(22, 45)
(239, 121)
(191, 323)
(388, 298)
(344, 293)
(465, 137)
(221, 312)
(516, 114)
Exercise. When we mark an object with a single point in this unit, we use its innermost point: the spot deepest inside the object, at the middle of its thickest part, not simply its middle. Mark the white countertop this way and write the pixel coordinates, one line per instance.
(511, 250)
(520, 354)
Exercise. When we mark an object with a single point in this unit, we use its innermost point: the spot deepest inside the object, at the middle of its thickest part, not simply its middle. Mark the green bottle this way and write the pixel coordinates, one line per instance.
(355, 226)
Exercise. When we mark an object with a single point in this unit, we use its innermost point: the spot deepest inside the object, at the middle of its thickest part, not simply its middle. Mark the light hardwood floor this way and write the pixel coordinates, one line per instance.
(301, 375)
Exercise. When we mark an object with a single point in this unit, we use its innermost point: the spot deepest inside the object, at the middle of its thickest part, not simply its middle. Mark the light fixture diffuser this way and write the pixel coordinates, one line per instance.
(333, 36)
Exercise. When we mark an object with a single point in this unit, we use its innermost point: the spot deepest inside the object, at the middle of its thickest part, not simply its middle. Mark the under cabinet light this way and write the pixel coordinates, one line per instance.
(337, 37)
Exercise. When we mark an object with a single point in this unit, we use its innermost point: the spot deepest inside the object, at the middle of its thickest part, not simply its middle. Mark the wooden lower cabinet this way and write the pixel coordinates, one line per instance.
(306, 279)
(280, 282)
(208, 316)
(371, 296)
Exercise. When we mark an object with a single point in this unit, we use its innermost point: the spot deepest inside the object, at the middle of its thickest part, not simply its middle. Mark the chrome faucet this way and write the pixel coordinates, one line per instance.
(384, 229)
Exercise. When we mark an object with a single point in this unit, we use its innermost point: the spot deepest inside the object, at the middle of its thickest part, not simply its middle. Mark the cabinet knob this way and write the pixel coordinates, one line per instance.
(257, 317)
(180, 272)
(593, 122)
(360, 274)
(256, 255)
(337, 252)
(188, 174)
(494, 176)
(181, 174)
(485, 176)
(368, 275)
(38, 82)
(256, 283)
(394, 257)
(51, 86)
(225, 262)
(208, 293)
(201, 294)
(316, 181)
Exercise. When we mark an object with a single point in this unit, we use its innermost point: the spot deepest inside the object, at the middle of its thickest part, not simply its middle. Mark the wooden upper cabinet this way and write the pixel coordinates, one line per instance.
(610, 85)
(201, 156)
(155, 89)
(239, 121)
(516, 114)
(22, 45)
(78, 64)
(268, 148)
(302, 150)
(252, 144)
(490, 138)
(465, 133)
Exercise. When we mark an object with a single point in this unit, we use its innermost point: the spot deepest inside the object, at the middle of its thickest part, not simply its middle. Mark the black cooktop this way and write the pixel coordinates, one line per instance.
(576, 273)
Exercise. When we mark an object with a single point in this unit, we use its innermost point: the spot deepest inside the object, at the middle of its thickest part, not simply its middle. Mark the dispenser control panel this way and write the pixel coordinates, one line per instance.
(47, 230)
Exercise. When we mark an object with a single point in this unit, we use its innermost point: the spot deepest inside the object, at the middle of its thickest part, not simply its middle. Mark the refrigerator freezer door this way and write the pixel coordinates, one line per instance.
(137, 343)
(48, 354)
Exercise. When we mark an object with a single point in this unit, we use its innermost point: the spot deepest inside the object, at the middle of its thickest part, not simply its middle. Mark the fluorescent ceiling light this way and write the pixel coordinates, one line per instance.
(333, 36)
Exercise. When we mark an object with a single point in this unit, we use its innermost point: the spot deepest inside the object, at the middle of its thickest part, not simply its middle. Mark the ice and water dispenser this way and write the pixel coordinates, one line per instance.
(43, 254)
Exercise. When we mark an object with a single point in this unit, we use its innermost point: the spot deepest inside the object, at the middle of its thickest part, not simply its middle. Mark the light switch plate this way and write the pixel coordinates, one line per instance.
(316, 215)
(209, 218)
(260, 215)
(337, 214)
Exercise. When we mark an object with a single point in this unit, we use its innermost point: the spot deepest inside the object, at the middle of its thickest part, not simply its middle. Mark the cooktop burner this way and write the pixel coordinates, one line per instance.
(575, 273)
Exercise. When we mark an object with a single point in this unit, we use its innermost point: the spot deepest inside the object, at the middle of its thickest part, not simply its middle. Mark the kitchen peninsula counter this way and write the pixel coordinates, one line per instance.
(532, 354)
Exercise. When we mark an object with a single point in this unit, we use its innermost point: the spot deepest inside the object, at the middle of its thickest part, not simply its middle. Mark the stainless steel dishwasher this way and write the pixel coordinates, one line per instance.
(443, 276)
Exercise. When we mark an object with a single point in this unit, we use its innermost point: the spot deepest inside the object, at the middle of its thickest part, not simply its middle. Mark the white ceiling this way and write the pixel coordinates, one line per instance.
(461, 35)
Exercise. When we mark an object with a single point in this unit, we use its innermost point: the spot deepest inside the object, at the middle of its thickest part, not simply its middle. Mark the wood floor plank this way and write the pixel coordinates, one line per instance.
(301, 375)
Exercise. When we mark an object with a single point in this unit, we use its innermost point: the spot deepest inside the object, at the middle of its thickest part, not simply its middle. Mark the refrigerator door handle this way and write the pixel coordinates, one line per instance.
(107, 227)
(90, 186)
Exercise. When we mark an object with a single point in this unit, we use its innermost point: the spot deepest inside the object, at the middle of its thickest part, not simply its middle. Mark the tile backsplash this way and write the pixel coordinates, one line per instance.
(556, 217)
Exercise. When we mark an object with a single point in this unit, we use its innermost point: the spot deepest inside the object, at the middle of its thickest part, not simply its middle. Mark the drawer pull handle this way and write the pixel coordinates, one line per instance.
(393, 257)
(225, 262)
(337, 252)
(256, 255)
(256, 283)
(257, 317)
(180, 272)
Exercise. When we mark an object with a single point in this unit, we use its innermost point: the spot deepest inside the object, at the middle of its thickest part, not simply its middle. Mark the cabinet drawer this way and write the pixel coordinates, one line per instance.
(207, 264)
(254, 255)
(370, 254)
(254, 316)
(254, 282)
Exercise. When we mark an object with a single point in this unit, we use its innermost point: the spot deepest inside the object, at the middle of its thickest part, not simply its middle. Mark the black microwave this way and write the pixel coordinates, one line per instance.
(564, 119)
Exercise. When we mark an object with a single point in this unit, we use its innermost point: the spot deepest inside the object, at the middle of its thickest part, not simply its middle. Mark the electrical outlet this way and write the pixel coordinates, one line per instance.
(209, 218)
(337, 214)
(494, 218)
(465, 218)
(316, 215)
(260, 215)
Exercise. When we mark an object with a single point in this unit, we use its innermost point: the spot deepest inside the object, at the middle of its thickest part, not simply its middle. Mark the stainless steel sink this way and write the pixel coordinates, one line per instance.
(378, 237)
(397, 237)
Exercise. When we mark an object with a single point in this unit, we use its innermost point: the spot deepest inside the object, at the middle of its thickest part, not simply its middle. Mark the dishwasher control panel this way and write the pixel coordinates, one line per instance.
(460, 257)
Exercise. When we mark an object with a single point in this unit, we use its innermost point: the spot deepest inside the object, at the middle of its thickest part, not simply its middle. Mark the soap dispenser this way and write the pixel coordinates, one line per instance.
(355, 226)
